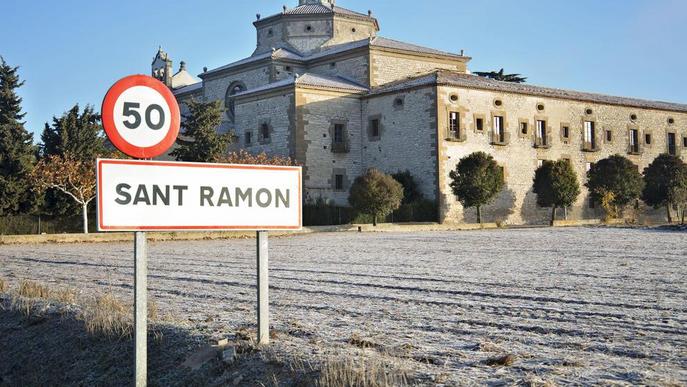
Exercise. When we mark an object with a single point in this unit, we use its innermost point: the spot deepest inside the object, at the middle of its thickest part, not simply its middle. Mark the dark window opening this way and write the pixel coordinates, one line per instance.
(308, 28)
(633, 117)
(634, 141)
(374, 127)
(338, 182)
(454, 125)
(265, 131)
(523, 127)
(589, 111)
(672, 144)
(609, 136)
(566, 132)
(540, 107)
(479, 123)
(498, 102)
(338, 133)
(398, 102)
(647, 139)
(684, 142)
(248, 138)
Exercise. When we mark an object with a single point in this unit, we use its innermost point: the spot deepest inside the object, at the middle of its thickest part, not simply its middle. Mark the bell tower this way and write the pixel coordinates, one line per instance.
(161, 68)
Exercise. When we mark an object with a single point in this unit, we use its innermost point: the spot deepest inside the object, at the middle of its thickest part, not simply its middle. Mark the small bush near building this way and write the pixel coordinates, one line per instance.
(375, 193)
(476, 181)
(617, 175)
(666, 184)
(556, 186)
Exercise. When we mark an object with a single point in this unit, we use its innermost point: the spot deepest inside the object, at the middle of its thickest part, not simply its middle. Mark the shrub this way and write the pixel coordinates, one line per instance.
(476, 181)
(375, 193)
(360, 372)
(107, 316)
(665, 183)
(617, 175)
(555, 184)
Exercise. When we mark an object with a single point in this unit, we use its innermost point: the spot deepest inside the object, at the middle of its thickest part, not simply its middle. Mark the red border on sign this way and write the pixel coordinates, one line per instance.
(103, 227)
(118, 141)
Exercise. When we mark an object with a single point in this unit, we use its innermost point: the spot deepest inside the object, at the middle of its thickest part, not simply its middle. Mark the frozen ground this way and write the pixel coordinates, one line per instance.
(581, 306)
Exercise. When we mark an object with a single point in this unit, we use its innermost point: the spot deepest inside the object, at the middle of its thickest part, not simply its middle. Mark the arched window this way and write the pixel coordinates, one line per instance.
(234, 88)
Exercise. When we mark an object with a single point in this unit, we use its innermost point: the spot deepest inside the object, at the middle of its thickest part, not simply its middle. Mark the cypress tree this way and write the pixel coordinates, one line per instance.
(16, 147)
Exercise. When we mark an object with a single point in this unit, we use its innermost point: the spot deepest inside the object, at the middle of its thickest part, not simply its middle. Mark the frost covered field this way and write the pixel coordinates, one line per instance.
(580, 305)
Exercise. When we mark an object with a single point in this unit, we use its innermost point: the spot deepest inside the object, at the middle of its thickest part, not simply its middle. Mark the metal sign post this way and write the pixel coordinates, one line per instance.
(141, 308)
(141, 118)
(263, 288)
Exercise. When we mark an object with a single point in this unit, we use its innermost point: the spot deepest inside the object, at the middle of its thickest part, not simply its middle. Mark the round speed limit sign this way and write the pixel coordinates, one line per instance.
(141, 116)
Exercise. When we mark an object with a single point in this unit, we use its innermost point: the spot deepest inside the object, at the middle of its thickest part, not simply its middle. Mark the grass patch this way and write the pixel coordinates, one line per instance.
(31, 289)
(363, 373)
(64, 295)
(361, 342)
(107, 316)
(3, 286)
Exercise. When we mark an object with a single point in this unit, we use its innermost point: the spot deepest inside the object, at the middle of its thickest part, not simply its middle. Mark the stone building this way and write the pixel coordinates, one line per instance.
(324, 88)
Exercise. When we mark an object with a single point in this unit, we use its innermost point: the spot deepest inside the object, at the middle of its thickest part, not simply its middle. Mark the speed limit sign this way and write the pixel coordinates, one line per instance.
(141, 116)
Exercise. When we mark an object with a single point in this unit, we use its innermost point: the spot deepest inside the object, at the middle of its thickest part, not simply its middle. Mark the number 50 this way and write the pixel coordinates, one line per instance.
(131, 112)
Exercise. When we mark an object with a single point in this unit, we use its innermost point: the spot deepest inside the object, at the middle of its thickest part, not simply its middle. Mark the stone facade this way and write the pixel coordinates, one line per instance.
(323, 88)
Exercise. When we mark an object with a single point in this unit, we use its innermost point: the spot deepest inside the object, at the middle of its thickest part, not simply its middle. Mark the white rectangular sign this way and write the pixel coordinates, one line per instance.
(138, 195)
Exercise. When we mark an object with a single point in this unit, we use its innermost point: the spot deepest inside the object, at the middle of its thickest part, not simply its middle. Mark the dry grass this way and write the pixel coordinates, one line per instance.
(3, 286)
(64, 295)
(23, 306)
(501, 361)
(361, 373)
(107, 316)
(361, 342)
(31, 289)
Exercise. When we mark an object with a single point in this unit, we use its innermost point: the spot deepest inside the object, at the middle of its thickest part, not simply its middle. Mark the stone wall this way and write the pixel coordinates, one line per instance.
(274, 110)
(318, 111)
(407, 138)
(517, 203)
(388, 66)
(347, 30)
(354, 68)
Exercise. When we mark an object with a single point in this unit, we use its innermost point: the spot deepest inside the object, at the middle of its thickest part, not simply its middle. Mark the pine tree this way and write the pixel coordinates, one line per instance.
(79, 134)
(203, 143)
(16, 147)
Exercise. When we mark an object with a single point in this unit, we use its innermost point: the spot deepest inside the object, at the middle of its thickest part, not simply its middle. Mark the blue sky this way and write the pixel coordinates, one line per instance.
(71, 51)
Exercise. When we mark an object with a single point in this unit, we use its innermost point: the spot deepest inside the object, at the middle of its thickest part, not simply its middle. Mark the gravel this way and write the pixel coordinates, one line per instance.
(563, 305)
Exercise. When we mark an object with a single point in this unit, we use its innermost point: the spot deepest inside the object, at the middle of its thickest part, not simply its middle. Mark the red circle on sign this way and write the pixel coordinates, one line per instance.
(110, 127)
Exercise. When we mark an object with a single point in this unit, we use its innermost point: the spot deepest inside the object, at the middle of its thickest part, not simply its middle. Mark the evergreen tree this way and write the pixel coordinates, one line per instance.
(476, 181)
(375, 193)
(556, 185)
(16, 147)
(202, 142)
(615, 180)
(665, 183)
(79, 134)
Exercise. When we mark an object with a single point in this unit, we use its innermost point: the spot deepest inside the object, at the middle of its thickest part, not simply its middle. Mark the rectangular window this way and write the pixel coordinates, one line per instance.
(609, 136)
(338, 182)
(479, 124)
(523, 127)
(454, 125)
(265, 131)
(647, 139)
(672, 144)
(634, 141)
(541, 133)
(499, 133)
(374, 127)
(566, 132)
(587, 167)
(248, 138)
(684, 142)
(338, 133)
(540, 163)
(589, 135)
